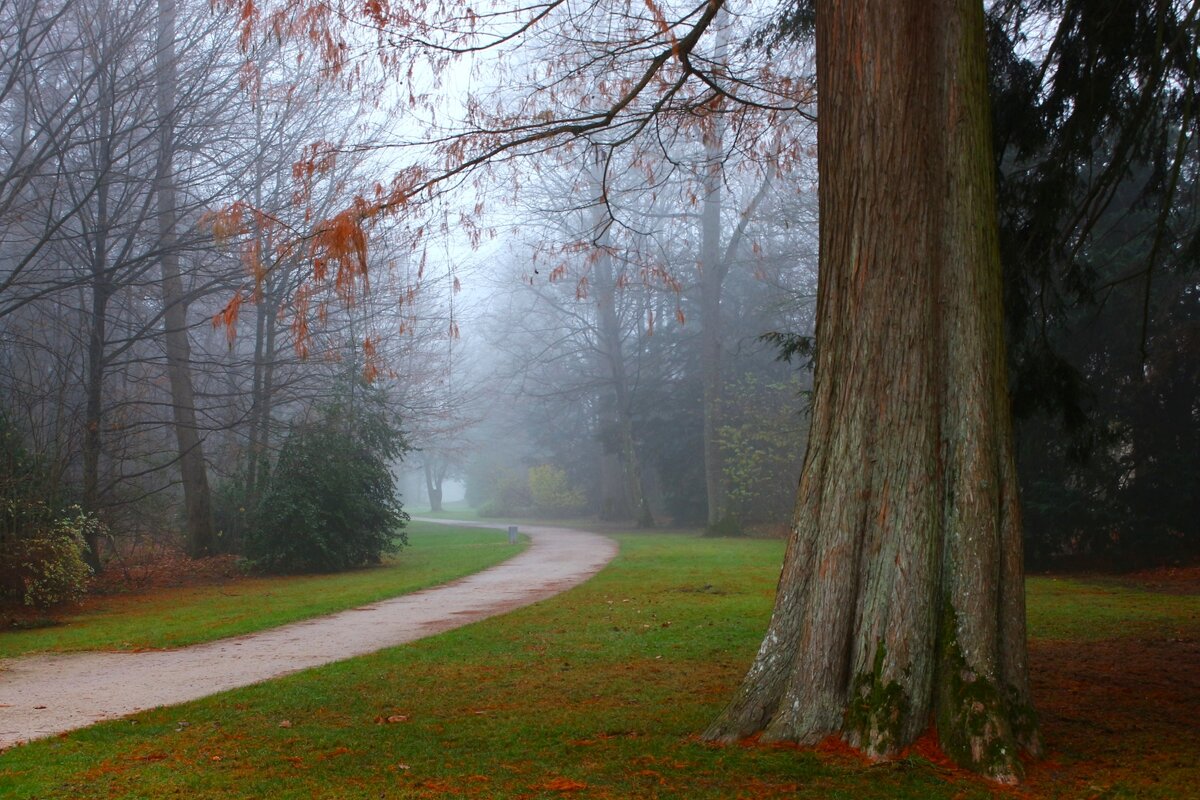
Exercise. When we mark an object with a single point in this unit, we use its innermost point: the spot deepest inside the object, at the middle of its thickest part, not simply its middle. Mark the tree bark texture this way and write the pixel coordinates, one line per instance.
(901, 600)
(197, 503)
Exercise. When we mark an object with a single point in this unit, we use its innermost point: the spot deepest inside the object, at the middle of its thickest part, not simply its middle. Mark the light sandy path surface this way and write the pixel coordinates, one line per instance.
(47, 694)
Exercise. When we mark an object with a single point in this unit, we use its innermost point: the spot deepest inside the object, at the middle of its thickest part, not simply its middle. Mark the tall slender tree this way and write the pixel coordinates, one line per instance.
(197, 503)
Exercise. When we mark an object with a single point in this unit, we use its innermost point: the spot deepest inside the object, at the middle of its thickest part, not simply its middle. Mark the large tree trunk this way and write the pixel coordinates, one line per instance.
(901, 599)
(201, 538)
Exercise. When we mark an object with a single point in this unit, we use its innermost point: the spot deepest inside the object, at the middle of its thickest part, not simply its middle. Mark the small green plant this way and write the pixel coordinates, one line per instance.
(55, 572)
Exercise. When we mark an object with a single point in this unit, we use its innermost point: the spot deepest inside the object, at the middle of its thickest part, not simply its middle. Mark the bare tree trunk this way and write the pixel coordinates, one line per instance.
(612, 354)
(101, 291)
(258, 460)
(94, 390)
(201, 538)
(435, 475)
(614, 357)
(614, 500)
(713, 270)
(901, 599)
(711, 281)
(258, 402)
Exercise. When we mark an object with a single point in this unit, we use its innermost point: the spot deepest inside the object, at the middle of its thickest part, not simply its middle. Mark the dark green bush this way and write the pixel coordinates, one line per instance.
(330, 503)
(44, 567)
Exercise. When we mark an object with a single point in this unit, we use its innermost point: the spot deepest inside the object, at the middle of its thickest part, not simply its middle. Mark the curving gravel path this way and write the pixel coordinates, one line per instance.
(47, 694)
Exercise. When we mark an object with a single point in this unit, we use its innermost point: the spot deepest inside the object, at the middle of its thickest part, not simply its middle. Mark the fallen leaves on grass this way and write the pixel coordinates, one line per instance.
(166, 569)
(1119, 711)
(561, 784)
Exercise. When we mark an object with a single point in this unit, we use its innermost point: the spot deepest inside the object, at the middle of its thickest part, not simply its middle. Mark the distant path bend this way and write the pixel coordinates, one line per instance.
(43, 695)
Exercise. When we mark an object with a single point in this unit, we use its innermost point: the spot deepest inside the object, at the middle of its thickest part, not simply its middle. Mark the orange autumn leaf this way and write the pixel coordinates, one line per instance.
(564, 785)
(228, 316)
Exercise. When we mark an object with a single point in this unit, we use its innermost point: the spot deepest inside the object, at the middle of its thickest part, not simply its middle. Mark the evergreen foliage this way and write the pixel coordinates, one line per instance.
(1095, 135)
(763, 442)
(331, 503)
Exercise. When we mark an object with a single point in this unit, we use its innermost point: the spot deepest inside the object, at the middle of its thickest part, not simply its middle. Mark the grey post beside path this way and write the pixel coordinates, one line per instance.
(42, 695)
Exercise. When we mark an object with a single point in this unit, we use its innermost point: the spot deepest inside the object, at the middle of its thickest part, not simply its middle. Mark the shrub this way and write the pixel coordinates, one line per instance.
(41, 549)
(330, 503)
(551, 493)
(509, 494)
(44, 565)
(762, 442)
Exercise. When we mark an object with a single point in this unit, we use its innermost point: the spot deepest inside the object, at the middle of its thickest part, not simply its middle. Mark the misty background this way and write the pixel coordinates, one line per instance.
(202, 262)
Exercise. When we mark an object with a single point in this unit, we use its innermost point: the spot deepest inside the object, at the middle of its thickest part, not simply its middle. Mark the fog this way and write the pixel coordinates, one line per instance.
(559, 264)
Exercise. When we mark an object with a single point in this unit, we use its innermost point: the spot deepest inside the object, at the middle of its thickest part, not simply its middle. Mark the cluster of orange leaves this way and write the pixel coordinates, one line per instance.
(342, 242)
(315, 22)
(316, 160)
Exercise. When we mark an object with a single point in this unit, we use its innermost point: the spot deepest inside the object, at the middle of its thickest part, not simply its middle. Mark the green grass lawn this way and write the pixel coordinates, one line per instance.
(456, 510)
(596, 693)
(176, 617)
(459, 510)
(1081, 610)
